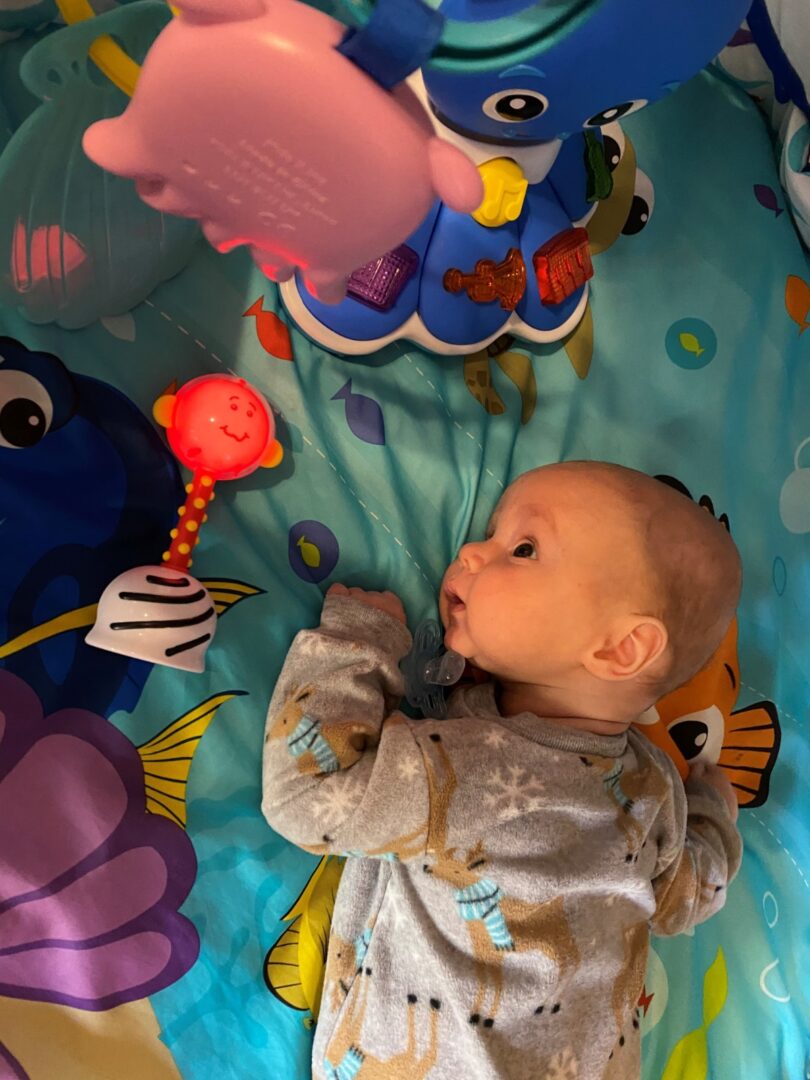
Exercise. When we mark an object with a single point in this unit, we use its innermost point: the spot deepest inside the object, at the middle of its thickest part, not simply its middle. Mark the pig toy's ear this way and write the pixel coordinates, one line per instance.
(219, 11)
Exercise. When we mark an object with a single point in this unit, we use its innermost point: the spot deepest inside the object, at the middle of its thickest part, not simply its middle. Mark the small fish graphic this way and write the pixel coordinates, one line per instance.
(310, 553)
(766, 197)
(294, 966)
(797, 301)
(691, 344)
(273, 334)
(167, 758)
(689, 1059)
(363, 415)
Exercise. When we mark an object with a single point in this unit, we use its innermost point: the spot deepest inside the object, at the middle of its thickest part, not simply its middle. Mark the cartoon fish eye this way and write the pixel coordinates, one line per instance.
(699, 735)
(515, 106)
(234, 407)
(26, 410)
(614, 113)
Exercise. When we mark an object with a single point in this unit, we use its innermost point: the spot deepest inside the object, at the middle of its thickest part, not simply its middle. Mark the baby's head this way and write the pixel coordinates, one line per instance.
(595, 582)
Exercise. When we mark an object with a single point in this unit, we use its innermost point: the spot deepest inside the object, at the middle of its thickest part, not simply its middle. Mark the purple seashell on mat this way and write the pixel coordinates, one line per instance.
(90, 883)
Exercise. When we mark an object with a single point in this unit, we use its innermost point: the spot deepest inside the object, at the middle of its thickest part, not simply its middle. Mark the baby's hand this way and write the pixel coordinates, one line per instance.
(383, 601)
(716, 778)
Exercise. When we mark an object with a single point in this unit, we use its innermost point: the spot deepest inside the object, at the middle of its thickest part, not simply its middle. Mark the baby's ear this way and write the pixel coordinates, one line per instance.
(632, 648)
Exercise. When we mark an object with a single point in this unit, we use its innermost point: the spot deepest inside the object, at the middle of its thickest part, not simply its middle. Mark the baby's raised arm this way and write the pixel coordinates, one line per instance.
(342, 771)
(699, 857)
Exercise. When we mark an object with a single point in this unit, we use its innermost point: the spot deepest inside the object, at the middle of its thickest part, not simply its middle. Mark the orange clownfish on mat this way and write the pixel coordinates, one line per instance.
(698, 721)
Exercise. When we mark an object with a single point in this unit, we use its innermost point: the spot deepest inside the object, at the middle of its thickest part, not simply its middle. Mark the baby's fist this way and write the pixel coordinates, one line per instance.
(383, 601)
(716, 778)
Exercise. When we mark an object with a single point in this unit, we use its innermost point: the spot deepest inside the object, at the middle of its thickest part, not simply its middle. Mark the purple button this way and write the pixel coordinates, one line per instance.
(380, 282)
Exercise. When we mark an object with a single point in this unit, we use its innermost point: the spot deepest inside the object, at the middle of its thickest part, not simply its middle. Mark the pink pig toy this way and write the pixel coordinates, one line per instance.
(247, 118)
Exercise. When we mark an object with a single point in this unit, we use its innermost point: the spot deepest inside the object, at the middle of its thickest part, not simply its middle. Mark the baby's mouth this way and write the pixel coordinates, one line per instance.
(454, 602)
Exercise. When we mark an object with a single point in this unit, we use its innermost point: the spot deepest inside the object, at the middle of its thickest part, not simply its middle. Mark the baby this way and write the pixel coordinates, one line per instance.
(507, 865)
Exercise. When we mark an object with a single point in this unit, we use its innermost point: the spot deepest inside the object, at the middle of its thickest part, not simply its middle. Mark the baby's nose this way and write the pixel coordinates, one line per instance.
(472, 556)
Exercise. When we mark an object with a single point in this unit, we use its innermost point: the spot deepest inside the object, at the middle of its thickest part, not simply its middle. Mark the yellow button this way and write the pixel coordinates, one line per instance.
(505, 189)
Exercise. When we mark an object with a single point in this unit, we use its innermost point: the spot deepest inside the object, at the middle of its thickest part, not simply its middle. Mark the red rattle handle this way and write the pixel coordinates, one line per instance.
(191, 517)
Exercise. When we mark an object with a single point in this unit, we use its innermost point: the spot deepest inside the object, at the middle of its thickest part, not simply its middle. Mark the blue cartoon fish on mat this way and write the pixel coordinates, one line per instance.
(87, 489)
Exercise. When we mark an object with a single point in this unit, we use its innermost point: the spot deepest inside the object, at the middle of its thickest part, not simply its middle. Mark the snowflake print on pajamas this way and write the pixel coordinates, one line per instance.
(512, 792)
(495, 738)
(336, 800)
(408, 769)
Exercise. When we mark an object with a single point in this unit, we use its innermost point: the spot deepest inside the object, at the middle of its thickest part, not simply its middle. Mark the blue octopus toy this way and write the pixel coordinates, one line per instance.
(534, 97)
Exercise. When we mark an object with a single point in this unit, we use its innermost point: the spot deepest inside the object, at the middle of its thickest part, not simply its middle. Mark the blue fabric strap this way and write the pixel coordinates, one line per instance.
(398, 38)
(787, 84)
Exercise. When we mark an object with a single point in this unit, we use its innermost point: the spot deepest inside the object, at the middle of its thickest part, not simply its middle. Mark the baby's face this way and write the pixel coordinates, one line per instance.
(526, 603)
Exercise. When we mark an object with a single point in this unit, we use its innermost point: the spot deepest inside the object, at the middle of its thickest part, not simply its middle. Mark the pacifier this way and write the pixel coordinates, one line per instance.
(429, 668)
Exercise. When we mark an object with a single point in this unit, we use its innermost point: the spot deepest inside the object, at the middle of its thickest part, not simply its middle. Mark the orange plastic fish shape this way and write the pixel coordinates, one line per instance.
(698, 722)
(797, 301)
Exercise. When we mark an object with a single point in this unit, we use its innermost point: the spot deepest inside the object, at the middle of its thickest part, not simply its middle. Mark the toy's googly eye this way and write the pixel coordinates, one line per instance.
(26, 410)
(515, 106)
(699, 735)
(642, 206)
(615, 112)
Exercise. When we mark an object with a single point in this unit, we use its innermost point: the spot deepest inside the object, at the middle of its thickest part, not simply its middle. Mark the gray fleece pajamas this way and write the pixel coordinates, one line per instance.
(503, 873)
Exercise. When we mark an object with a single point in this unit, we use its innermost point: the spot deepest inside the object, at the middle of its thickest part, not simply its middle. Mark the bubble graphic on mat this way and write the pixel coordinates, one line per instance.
(654, 994)
(794, 498)
(313, 550)
(691, 344)
(779, 575)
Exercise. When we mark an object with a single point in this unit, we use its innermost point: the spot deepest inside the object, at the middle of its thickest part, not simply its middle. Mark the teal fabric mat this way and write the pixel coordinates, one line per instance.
(699, 371)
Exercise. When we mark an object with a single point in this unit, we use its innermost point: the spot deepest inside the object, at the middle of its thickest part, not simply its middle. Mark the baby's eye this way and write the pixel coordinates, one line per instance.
(524, 550)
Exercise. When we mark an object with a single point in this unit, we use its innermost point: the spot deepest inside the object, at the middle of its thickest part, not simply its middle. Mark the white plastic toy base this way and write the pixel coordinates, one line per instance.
(414, 329)
(157, 614)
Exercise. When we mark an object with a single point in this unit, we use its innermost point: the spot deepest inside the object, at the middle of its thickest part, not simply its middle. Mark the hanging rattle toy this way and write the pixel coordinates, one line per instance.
(221, 428)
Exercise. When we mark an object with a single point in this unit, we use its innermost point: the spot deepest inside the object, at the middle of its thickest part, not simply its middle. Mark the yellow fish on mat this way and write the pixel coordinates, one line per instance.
(167, 758)
(225, 593)
(294, 966)
(689, 1059)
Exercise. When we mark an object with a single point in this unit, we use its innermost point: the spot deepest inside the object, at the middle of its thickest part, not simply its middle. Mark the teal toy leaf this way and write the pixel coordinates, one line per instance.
(77, 244)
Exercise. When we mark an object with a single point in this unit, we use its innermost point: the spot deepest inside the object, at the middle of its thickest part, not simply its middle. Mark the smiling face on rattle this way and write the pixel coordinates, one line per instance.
(220, 425)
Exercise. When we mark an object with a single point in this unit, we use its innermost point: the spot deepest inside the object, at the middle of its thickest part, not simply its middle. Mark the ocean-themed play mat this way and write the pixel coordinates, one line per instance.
(152, 926)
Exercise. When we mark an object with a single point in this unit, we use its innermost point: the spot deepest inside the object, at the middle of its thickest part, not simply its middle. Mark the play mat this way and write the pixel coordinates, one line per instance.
(138, 788)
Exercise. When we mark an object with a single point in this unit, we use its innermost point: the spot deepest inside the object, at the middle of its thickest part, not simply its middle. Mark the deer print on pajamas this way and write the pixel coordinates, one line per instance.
(624, 789)
(497, 924)
(355, 1063)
